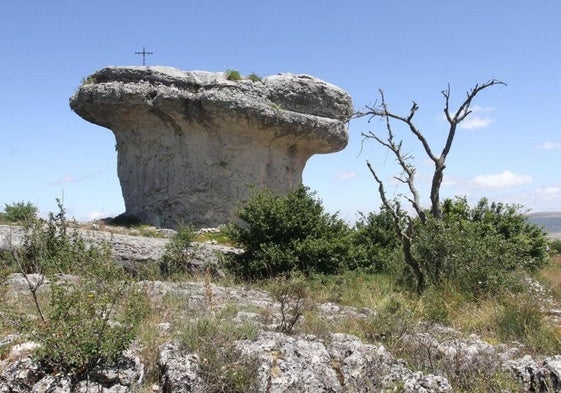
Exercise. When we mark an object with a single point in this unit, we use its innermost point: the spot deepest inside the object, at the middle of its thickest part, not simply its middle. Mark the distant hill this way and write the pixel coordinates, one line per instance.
(549, 221)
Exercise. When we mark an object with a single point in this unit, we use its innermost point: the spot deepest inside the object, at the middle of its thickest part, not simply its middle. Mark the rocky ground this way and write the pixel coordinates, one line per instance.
(281, 361)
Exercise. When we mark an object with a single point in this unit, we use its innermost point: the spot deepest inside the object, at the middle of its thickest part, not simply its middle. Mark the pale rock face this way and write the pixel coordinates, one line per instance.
(192, 144)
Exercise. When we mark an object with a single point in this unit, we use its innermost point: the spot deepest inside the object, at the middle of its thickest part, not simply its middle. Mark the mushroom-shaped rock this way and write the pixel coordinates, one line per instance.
(191, 144)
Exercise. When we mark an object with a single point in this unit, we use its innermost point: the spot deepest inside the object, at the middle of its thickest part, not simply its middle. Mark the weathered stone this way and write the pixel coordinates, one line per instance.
(344, 364)
(24, 375)
(130, 251)
(190, 144)
(534, 377)
(179, 370)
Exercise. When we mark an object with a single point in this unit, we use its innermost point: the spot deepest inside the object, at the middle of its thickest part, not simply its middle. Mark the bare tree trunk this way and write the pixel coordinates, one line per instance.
(405, 235)
(406, 243)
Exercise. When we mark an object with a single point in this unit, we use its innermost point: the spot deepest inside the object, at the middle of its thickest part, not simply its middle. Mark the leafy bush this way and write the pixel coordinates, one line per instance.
(54, 248)
(22, 212)
(282, 234)
(375, 235)
(480, 249)
(506, 221)
(86, 319)
(175, 259)
(88, 324)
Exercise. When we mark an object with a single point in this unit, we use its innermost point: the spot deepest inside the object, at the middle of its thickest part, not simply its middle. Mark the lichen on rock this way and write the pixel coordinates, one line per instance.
(191, 144)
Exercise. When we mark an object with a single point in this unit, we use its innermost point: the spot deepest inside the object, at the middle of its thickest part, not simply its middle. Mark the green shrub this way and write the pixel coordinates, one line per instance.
(282, 234)
(233, 75)
(293, 297)
(508, 222)
(480, 250)
(56, 248)
(555, 246)
(88, 324)
(21, 212)
(86, 319)
(254, 77)
(375, 235)
(175, 259)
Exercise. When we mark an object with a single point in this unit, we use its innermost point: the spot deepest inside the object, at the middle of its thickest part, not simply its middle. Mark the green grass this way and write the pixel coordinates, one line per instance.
(233, 75)
(220, 237)
(147, 231)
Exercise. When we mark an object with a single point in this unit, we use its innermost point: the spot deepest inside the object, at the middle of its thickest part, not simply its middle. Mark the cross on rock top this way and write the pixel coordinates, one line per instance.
(143, 53)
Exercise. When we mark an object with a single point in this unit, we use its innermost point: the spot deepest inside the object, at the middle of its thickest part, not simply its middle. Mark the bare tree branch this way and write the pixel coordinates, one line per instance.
(405, 234)
(461, 113)
(405, 230)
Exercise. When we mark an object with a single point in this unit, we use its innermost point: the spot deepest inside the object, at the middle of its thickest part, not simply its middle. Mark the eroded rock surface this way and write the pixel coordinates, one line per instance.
(191, 144)
(19, 373)
(332, 362)
(128, 250)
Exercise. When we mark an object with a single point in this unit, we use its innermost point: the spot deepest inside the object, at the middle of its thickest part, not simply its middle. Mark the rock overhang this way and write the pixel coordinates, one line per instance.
(191, 144)
(314, 110)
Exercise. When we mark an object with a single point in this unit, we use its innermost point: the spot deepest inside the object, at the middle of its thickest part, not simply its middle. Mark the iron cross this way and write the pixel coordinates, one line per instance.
(143, 53)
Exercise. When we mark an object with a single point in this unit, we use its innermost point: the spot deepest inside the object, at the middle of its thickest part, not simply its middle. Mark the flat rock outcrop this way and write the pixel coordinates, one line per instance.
(128, 250)
(191, 144)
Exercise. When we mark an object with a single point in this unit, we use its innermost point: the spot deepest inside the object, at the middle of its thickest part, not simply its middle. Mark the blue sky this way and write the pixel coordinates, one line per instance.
(509, 150)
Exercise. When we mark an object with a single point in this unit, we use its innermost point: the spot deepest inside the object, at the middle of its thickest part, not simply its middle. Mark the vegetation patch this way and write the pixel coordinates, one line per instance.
(175, 260)
(233, 75)
(85, 309)
(222, 367)
(20, 212)
(284, 234)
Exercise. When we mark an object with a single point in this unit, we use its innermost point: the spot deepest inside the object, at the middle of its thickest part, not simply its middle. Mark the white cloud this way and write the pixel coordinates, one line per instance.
(68, 179)
(347, 175)
(471, 123)
(71, 179)
(447, 182)
(550, 192)
(549, 146)
(480, 109)
(502, 180)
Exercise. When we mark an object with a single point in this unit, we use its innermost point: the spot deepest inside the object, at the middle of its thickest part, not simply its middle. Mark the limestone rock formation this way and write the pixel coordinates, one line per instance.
(191, 144)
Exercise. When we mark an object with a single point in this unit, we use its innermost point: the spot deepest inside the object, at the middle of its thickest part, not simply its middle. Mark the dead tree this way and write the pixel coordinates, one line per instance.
(403, 222)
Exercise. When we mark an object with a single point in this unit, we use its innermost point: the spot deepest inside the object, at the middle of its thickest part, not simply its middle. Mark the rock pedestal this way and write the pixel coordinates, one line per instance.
(192, 144)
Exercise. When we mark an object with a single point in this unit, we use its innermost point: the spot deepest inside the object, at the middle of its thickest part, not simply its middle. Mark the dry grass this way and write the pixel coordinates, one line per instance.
(551, 276)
